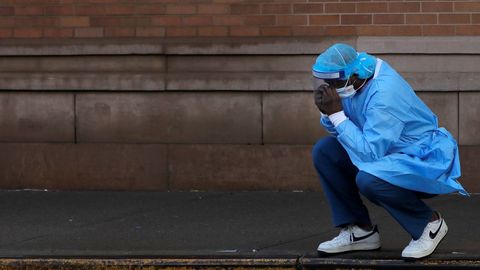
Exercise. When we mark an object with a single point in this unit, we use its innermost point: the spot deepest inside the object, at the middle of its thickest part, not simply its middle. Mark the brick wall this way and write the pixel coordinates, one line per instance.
(235, 18)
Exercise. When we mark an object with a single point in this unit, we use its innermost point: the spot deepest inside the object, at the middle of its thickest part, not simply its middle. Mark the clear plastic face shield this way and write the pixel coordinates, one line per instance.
(343, 88)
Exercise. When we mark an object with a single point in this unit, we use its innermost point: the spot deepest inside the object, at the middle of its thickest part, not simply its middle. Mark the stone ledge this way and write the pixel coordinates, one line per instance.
(213, 81)
(233, 46)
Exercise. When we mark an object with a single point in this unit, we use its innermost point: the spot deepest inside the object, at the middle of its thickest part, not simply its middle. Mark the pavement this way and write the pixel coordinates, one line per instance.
(215, 225)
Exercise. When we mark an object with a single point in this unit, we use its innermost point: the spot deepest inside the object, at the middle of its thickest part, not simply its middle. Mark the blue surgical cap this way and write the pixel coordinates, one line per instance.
(340, 61)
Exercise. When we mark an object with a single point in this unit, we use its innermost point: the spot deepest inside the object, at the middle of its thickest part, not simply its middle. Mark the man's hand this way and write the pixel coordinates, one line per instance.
(327, 99)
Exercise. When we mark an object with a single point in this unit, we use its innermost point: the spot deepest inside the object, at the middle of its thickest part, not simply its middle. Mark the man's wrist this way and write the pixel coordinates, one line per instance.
(337, 118)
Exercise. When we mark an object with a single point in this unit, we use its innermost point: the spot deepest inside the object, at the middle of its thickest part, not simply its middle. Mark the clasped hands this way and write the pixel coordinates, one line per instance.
(327, 99)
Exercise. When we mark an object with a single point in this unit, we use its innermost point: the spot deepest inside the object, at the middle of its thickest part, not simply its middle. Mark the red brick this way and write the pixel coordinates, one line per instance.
(120, 10)
(74, 21)
(30, 10)
(7, 22)
(150, 9)
(373, 30)
(94, 32)
(260, 20)
(213, 9)
(438, 30)
(181, 32)
(276, 8)
(60, 10)
(213, 31)
(467, 6)
(437, 6)
(119, 21)
(340, 30)
(150, 32)
(28, 33)
(476, 18)
(119, 32)
(403, 7)
(308, 30)
(308, 8)
(89, 10)
(244, 31)
(421, 18)
(286, 20)
(181, 9)
(454, 18)
(467, 30)
(6, 11)
(388, 19)
(324, 19)
(340, 8)
(58, 33)
(35, 21)
(371, 7)
(245, 9)
(6, 33)
(197, 20)
(277, 31)
(166, 20)
(406, 30)
(356, 19)
(223, 20)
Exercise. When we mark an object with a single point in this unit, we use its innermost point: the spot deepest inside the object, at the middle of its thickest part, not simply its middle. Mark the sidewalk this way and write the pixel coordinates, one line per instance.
(204, 224)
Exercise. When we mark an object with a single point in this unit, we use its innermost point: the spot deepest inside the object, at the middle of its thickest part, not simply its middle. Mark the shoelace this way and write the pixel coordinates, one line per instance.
(344, 235)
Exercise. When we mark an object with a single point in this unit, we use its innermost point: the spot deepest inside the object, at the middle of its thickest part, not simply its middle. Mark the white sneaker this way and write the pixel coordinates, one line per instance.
(433, 233)
(351, 238)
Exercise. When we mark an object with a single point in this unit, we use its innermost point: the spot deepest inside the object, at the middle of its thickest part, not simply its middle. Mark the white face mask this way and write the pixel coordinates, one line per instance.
(346, 91)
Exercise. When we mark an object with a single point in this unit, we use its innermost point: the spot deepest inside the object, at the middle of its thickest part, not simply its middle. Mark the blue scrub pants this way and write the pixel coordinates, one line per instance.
(342, 182)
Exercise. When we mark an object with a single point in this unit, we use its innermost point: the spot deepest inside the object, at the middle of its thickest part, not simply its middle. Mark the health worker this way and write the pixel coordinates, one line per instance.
(385, 143)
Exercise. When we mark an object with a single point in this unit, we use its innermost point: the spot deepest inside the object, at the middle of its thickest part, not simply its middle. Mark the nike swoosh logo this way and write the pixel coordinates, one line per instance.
(434, 234)
(355, 239)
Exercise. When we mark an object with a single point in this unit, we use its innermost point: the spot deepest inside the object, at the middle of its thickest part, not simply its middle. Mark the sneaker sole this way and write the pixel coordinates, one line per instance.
(413, 259)
(352, 248)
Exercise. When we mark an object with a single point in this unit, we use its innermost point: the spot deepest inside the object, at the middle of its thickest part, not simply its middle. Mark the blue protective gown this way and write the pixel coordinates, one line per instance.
(393, 135)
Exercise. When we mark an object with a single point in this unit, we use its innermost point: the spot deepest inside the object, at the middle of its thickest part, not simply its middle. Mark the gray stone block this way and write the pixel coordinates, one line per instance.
(470, 164)
(291, 118)
(83, 81)
(237, 167)
(256, 63)
(445, 106)
(169, 118)
(36, 117)
(469, 128)
(243, 81)
(420, 45)
(85, 64)
(426, 81)
(83, 166)
(433, 63)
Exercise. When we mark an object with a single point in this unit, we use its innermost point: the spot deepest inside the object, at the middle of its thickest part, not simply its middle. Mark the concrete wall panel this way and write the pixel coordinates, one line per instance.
(237, 167)
(291, 118)
(36, 117)
(83, 166)
(469, 128)
(169, 118)
(445, 106)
